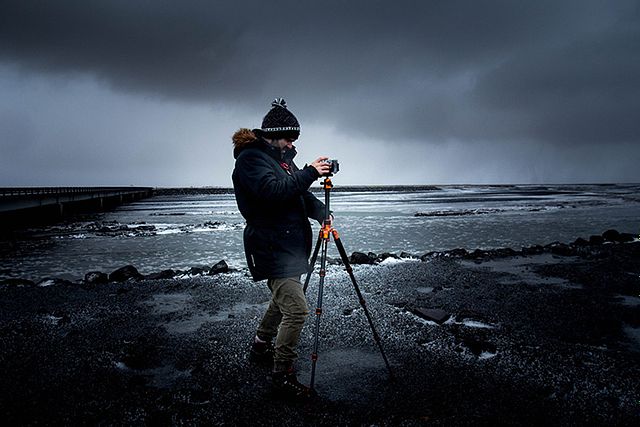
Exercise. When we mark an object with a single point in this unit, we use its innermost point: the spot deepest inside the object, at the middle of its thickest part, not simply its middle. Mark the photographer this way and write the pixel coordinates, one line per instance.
(273, 196)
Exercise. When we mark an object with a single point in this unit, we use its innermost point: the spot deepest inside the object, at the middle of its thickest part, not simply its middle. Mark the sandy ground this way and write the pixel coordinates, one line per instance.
(538, 339)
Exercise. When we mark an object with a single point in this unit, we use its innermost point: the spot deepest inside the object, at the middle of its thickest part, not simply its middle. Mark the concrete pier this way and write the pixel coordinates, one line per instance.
(27, 205)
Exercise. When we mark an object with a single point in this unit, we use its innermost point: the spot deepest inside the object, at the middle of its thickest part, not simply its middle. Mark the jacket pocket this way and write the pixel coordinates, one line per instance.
(259, 249)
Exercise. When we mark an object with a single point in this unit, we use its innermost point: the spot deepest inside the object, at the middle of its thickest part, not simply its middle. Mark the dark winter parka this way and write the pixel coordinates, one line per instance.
(273, 196)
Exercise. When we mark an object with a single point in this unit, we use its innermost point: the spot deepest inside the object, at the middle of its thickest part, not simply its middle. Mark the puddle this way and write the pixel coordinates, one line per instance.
(163, 377)
(627, 300)
(163, 304)
(634, 336)
(168, 303)
(188, 325)
(240, 309)
(521, 270)
(348, 375)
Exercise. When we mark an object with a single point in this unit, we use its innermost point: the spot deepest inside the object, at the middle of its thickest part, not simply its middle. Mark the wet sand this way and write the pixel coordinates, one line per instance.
(531, 339)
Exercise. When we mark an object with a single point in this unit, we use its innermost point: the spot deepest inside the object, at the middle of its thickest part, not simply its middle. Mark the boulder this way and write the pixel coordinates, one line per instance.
(580, 242)
(533, 250)
(220, 267)
(611, 235)
(429, 255)
(164, 274)
(477, 346)
(596, 240)
(478, 253)
(125, 273)
(505, 252)
(627, 237)
(142, 353)
(458, 252)
(433, 314)
(407, 255)
(196, 271)
(562, 249)
(96, 277)
(386, 255)
(360, 258)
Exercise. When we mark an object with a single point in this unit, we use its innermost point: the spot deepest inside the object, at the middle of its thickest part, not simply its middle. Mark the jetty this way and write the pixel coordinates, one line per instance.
(26, 205)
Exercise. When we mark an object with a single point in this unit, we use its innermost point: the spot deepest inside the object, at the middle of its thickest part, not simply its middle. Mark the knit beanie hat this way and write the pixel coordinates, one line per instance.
(280, 122)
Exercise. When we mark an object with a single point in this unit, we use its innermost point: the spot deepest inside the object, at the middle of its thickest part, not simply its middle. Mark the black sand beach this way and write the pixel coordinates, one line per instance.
(532, 339)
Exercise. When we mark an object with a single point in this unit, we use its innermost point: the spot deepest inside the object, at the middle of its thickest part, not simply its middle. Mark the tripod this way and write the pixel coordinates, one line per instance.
(323, 240)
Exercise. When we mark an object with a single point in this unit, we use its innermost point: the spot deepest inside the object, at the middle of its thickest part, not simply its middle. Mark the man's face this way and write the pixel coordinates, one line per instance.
(284, 143)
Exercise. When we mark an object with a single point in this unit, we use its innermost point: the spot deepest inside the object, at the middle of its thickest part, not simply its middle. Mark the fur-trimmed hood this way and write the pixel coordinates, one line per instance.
(242, 139)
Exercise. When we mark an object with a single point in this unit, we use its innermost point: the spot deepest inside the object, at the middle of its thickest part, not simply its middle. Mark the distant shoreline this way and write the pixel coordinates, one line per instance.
(158, 191)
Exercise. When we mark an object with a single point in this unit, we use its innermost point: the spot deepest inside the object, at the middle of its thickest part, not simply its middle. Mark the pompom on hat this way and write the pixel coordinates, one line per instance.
(279, 122)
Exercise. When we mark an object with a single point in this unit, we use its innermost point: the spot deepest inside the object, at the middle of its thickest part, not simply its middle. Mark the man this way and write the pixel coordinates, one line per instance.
(273, 196)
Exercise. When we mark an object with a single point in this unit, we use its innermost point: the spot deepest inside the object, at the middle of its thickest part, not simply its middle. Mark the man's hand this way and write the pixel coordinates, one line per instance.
(322, 167)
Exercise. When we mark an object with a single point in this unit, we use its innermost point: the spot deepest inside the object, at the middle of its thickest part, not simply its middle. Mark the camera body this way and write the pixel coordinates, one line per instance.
(335, 166)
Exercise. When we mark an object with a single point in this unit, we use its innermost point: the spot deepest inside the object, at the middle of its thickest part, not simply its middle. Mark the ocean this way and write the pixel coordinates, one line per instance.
(180, 231)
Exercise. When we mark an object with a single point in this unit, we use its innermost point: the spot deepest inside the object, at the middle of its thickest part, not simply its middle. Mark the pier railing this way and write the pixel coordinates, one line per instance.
(48, 191)
(17, 203)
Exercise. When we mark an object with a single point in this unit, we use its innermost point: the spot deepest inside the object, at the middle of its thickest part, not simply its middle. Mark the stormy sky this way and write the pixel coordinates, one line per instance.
(424, 92)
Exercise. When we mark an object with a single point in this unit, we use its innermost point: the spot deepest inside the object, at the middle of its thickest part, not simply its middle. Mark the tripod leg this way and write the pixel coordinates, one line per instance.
(312, 263)
(363, 303)
(323, 264)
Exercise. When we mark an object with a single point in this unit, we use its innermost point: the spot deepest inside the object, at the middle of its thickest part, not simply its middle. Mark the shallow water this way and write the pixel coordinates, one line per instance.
(199, 230)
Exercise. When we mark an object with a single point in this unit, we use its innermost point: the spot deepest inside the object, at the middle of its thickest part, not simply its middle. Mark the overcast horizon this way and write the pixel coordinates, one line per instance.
(415, 93)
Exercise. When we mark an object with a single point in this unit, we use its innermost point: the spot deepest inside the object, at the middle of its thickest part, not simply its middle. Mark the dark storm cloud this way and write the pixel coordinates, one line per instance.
(558, 72)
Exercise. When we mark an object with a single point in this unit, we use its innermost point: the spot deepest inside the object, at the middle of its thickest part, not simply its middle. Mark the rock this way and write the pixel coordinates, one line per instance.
(96, 277)
(611, 235)
(627, 237)
(562, 249)
(478, 253)
(458, 252)
(372, 256)
(18, 283)
(196, 271)
(125, 273)
(360, 258)
(533, 250)
(220, 267)
(476, 346)
(466, 313)
(433, 314)
(596, 240)
(330, 260)
(142, 353)
(505, 252)
(164, 274)
(386, 255)
(614, 236)
(404, 254)
(429, 255)
(580, 242)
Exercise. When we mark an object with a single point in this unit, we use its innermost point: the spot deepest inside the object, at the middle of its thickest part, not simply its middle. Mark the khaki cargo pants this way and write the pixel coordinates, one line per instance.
(284, 319)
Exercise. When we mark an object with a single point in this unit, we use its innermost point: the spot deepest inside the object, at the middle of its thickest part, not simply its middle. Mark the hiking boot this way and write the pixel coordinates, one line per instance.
(286, 384)
(261, 351)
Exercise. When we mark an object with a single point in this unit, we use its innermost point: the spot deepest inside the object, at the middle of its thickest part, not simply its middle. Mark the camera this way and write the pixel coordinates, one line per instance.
(335, 166)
